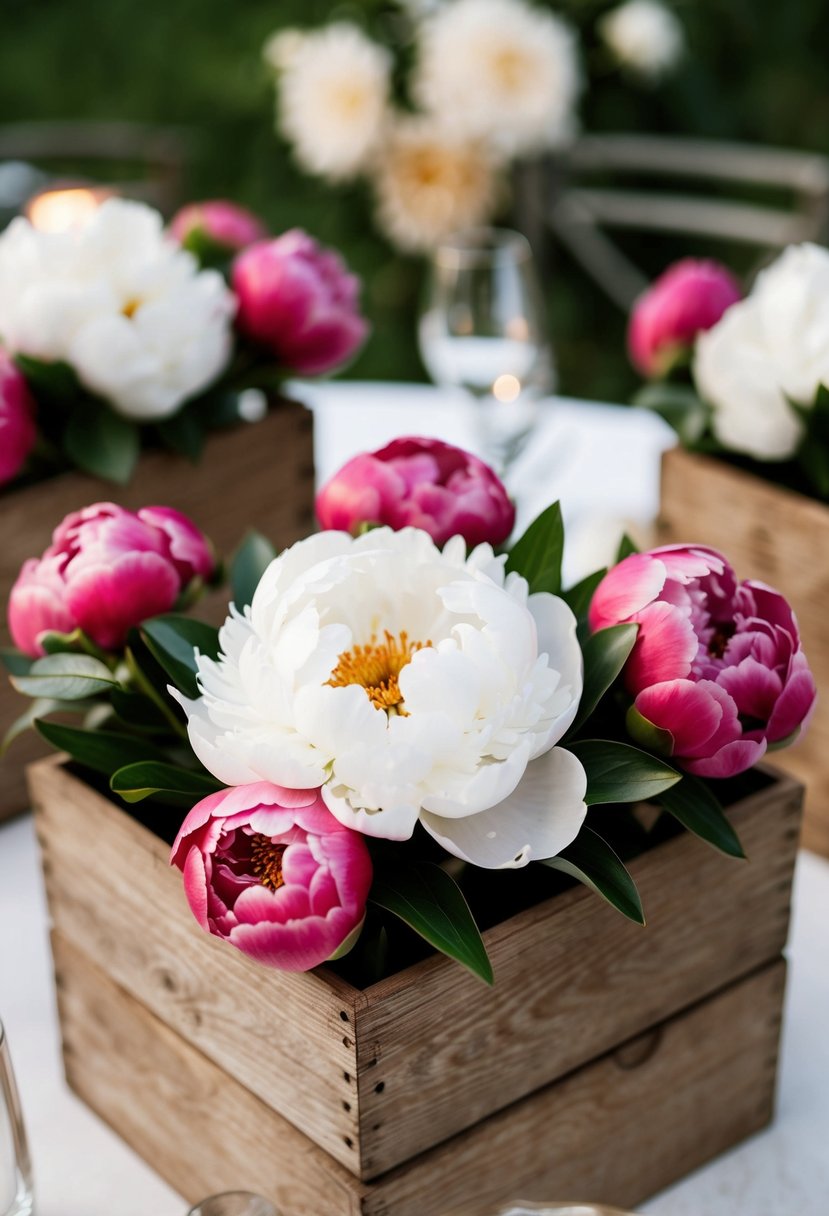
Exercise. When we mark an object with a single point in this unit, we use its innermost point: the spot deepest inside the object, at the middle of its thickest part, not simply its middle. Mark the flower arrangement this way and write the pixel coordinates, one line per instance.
(122, 332)
(758, 388)
(433, 110)
(392, 720)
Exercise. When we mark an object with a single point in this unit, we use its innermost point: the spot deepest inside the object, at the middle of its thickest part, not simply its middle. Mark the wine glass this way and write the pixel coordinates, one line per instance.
(16, 1198)
(482, 330)
(234, 1203)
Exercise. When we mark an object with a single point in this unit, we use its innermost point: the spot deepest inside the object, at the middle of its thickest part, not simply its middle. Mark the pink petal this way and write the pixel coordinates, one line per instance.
(686, 710)
(753, 687)
(734, 758)
(665, 648)
(626, 589)
(794, 705)
(107, 601)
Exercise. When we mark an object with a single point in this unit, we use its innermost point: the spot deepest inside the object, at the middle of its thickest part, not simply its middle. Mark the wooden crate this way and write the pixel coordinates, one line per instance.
(258, 475)
(778, 537)
(377, 1076)
(616, 1130)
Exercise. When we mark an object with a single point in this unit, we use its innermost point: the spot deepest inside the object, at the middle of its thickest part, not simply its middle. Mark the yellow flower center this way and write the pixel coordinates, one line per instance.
(266, 861)
(376, 667)
(509, 67)
(130, 308)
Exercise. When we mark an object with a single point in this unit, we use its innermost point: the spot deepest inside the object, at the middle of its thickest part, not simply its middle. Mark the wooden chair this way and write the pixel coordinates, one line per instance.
(141, 161)
(588, 192)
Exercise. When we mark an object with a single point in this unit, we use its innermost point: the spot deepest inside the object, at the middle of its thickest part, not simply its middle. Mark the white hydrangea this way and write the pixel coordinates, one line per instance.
(120, 302)
(644, 36)
(431, 182)
(333, 93)
(502, 70)
(412, 685)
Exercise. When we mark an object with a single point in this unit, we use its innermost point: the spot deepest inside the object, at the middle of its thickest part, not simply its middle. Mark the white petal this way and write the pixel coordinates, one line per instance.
(538, 820)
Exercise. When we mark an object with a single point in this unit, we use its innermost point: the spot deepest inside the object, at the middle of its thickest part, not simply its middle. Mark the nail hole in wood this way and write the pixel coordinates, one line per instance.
(346, 1041)
(343, 1015)
(346, 1106)
(349, 1143)
(347, 1076)
(379, 1087)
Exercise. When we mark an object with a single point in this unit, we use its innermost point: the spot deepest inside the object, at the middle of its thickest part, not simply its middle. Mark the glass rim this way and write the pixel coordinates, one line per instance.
(481, 246)
(197, 1207)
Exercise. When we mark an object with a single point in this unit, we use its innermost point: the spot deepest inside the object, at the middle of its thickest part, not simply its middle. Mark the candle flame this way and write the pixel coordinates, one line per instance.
(64, 210)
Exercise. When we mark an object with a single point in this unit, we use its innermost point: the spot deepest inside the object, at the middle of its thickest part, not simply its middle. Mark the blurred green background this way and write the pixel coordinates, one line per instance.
(752, 72)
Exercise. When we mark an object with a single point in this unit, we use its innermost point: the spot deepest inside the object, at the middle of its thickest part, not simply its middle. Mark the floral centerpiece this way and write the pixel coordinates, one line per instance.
(744, 377)
(394, 718)
(432, 103)
(123, 332)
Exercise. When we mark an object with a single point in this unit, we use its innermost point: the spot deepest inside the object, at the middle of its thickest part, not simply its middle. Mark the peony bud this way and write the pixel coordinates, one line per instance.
(17, 420)
(217, 223)
(687, 299)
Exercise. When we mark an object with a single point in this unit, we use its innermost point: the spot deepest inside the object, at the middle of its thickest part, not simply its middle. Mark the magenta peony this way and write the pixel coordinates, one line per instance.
(298, 301)
(717, 672)
(271, 871)
(218, 222)
(419, 483)
(690, 297)
(17, 420)
(105, 571)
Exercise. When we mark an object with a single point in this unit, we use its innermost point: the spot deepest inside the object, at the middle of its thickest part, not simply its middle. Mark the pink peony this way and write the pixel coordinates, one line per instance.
(299, 302)
(271, 871)
(688, 298)
(420, 483)
(218, 222)
(105, 571)
(717, 672)
(17, 420)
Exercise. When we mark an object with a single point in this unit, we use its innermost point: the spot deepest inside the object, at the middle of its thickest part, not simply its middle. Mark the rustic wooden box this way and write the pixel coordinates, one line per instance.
(778, 537)
(363, 1100)
(258, 475)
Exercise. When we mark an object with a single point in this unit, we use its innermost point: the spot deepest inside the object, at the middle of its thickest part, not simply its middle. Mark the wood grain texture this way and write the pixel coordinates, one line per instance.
(258, 476)
(617, 1130)
(710, 920)
(778, 537)
(375, 1077)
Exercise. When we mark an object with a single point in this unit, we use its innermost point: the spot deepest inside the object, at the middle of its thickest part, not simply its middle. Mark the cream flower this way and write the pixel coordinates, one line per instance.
(501, 70)
(792, 298)
(430, 182)
(735, 374)
(120, 302)
(333, 90)
(412, 685)
(644, 36)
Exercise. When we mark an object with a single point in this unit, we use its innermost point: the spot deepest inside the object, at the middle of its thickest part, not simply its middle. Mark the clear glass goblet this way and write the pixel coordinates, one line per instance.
(16, 1189)
(482, 330)
(234, 1203)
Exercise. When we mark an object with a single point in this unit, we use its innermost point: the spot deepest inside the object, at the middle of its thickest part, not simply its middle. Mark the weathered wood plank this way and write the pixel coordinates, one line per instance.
(251, 476)
(778, 537)
(366, 1074)
(617, 1130)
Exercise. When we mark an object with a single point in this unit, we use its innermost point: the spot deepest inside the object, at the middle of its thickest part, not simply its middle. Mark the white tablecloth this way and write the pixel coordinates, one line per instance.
(603, 463)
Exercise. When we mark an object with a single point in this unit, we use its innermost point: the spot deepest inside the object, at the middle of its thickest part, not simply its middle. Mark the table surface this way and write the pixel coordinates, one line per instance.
(604, 463)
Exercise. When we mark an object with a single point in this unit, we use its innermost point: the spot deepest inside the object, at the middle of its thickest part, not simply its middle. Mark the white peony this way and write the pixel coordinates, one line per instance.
(131, 312)
(501, 70)
(431, 182)
(644, 36)
(412, 685)
(792, 299)
(333, 92)
(734, 372)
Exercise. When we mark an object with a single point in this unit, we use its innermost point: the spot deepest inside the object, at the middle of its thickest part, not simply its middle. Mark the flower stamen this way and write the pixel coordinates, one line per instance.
(376, 667)
(266, 861)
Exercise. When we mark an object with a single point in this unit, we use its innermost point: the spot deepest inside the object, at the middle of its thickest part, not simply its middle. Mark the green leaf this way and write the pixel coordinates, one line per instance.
(138, 710)
(592, 861)
(247, 566)
(580, 596)
(626, 546)
(15, 663)
(617, 772)
(54, 380)
(66, 677)
(37, 709)
(698, 809)
(137, 781)
(75, 642)
(431, 903)
(102, 443)
(103, 751)
(681, 408)
(605, 654)
(183, 433)
(173, 640)
(537, 554)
